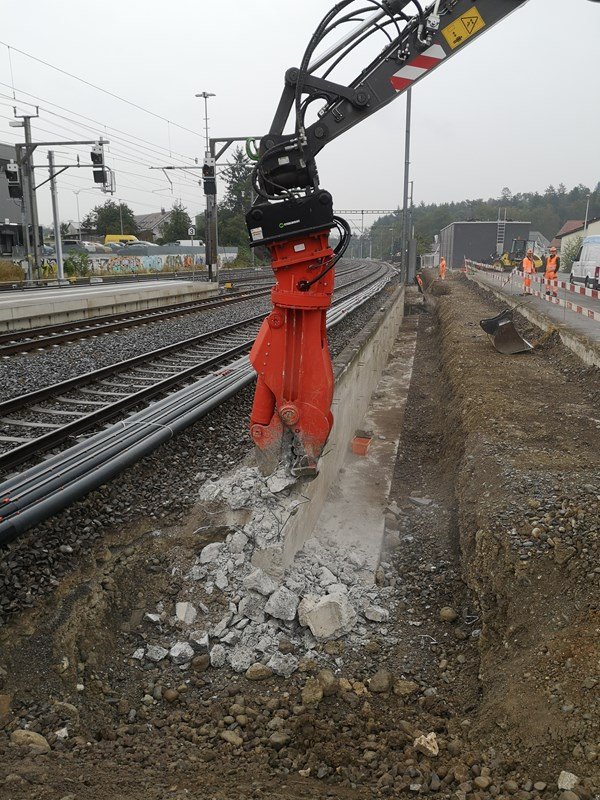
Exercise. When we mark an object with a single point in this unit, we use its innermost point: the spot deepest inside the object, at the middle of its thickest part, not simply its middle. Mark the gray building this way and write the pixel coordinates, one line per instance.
(477, 240)
(10, 209)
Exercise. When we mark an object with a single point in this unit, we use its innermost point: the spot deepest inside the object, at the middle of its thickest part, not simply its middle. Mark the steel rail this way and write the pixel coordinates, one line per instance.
(55, 483)
(22, 341)
(49, 335)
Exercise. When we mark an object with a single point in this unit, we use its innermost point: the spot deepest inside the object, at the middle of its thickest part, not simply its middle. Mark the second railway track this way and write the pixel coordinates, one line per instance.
(41, 420)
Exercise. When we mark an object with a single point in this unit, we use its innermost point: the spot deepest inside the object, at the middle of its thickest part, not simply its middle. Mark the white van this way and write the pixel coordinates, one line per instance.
(586, 268)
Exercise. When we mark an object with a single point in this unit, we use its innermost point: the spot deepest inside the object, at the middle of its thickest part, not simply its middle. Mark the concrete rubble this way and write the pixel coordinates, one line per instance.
(321, 597)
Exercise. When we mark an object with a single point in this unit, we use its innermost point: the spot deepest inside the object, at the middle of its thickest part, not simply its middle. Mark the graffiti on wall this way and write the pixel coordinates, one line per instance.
(120, 265)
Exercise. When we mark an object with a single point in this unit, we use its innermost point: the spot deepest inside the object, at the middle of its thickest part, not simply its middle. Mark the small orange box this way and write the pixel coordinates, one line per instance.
(360, 445)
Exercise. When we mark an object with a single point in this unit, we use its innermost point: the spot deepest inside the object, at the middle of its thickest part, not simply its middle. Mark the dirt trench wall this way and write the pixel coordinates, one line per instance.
(527, 493)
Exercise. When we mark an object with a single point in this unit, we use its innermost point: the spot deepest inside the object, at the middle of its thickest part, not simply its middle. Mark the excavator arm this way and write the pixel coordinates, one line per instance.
(293, 216)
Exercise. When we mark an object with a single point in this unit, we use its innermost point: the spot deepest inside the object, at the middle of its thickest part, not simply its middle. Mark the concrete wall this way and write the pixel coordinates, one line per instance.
(357, 371)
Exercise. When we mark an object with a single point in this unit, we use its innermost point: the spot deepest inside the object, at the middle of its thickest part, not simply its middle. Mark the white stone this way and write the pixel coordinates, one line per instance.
(283, 665)
(428, 745)
(326, 577)
(230, 638)
(211, 553)
(221, 580)
(156, 653)
(186, 613)
(197, 573)
(567, 781)
(280, 481)
(152, 617)
(253, 607)
(237, 542)
(337, 588)
(218, 656)
(377, 614)
(305, 606)
(221, 626)
(139, 654)
(282, 604)
(241, 658)
(333, 616)
(209, 491)
(260, 582)
(62, 733)
(199, 641)
(181, 653)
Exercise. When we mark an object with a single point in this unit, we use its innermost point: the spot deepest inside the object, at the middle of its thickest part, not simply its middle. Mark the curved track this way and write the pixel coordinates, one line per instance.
(16, 342)
(56, 482)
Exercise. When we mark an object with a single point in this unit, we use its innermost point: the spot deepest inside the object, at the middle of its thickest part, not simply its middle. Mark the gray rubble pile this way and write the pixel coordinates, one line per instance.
(321, 597)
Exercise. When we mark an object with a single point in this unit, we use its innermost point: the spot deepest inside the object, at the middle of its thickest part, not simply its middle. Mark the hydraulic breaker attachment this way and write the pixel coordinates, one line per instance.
(505, 337)
(291, 415)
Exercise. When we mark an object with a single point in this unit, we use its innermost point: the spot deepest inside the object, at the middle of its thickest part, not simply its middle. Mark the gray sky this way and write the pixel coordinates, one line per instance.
(516, 108)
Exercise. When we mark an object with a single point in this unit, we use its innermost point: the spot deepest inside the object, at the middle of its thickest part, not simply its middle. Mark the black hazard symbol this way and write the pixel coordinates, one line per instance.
(470, 23)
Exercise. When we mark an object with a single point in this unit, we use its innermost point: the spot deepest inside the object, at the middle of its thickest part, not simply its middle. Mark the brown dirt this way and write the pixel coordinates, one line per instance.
(507, 451)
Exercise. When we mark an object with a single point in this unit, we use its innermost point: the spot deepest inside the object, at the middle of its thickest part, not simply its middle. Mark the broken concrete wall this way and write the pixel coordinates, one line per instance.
(357, 371)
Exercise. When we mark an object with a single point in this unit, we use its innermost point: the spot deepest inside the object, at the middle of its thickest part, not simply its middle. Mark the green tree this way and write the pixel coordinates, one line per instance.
(237, 175)
(178, 224)
(64, 229)
(569, 253)
(111, 217)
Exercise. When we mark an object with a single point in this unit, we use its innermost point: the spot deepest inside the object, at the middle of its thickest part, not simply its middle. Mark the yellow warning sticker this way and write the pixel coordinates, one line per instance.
(463, 28)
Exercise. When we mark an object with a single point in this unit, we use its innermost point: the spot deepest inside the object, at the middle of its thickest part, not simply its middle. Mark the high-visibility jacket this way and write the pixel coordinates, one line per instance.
(551, 268)
(529, 265)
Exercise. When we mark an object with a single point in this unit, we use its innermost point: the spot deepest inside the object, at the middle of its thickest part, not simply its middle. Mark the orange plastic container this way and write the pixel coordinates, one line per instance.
(360, 445)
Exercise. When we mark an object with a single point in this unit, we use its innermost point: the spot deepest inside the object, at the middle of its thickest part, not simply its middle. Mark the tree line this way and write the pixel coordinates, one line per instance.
(547, 212)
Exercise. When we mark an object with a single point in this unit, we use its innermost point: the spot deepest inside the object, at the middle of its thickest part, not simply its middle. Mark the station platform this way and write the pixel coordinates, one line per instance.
(22, 310)
(574, 313)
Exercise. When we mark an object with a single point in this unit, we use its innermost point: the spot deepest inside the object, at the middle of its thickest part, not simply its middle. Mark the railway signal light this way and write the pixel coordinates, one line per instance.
(13, 176)
(208, 176)
(99, 170)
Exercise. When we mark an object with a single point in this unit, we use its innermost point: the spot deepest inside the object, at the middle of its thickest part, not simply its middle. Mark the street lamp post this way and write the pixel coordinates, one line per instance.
(587, 214)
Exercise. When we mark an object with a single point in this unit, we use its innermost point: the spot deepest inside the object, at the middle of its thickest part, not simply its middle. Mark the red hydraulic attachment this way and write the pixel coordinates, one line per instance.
(291, 356)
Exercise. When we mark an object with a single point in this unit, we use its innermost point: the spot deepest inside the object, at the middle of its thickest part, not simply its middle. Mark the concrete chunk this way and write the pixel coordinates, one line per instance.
(333, 616)
(186, 613)
(253, 607)
(282, 604)
(181, 653)
(260, 582)
(211, 553)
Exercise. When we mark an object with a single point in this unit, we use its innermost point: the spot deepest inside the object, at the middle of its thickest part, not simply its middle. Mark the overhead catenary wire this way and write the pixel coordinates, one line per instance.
(99, 88)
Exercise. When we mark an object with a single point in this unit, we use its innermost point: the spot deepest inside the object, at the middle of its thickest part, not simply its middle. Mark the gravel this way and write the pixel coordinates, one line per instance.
(161, 489)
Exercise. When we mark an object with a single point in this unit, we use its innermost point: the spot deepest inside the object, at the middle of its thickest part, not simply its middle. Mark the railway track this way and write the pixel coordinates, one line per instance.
(57, 481)
(16, 342)
(40, 420)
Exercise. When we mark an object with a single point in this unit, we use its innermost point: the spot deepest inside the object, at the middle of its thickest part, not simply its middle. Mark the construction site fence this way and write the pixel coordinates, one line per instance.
(555, 292)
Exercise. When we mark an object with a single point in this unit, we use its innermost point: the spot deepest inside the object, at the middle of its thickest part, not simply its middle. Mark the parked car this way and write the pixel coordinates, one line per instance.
(586, 267)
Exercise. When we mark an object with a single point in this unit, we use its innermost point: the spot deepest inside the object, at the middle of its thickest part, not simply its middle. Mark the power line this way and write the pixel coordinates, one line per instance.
(99, 88)
(179, 156)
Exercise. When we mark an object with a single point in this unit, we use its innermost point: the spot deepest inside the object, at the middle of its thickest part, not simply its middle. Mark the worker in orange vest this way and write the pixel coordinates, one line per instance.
(551, 273)
(442, 269)
(528, 268)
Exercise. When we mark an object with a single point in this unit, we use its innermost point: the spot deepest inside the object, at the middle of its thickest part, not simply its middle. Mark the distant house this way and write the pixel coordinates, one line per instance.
(579, 231)
(541, 242)
(570, 225)
(150, 226)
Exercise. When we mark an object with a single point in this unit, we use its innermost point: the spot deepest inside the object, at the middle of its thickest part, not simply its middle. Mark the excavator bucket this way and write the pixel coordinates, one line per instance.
(504, 335)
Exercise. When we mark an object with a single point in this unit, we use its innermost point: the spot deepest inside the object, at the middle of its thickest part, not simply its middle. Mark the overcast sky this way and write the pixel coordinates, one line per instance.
(517, 108)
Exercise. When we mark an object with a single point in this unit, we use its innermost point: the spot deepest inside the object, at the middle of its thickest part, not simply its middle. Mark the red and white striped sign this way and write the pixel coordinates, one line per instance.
(417, 67)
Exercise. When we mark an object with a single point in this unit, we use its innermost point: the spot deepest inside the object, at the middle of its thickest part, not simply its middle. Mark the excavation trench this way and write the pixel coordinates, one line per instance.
(478, 633)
